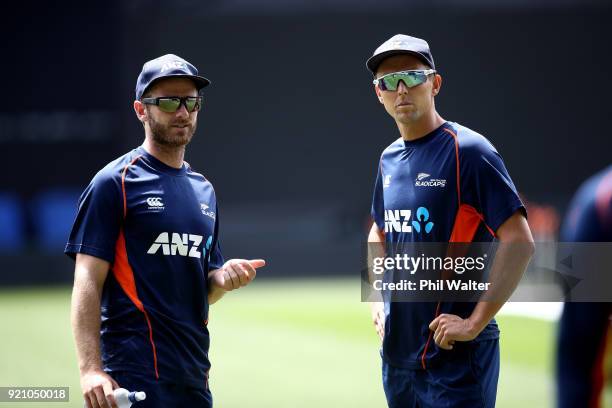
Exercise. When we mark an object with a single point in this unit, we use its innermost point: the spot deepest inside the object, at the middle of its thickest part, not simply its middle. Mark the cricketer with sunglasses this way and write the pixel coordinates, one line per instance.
(455, 186)
(148, 259)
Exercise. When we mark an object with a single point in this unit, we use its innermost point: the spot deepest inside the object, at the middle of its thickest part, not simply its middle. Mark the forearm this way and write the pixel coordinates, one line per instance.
(85, 317)
(214, 291)
(506, 272)
(376, 249)
(483, 313)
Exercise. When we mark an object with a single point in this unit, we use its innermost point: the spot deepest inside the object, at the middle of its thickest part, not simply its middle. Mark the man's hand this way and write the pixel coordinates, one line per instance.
(97, 387)
(378, 318)
(236, 273)
(449, 328)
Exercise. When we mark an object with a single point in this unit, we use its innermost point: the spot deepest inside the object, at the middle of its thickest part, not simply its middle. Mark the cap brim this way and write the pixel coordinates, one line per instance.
(375, 60)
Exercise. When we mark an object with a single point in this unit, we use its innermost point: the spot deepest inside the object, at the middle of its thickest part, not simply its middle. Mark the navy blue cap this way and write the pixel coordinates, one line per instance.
(401, 44)
(167, 66)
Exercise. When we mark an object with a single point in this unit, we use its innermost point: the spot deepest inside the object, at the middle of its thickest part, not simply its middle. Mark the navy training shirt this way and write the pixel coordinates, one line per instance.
(454, 185)
(589, 218)
(158, 228)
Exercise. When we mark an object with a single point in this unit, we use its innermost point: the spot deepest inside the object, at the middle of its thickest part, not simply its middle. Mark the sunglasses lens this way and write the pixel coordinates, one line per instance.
(414, 78)
(193, 104)
(169, 105)
(391, 82)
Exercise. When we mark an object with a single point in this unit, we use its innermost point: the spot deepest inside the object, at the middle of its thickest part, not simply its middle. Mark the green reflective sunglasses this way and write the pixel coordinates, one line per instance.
(411, 78)
(171, 104)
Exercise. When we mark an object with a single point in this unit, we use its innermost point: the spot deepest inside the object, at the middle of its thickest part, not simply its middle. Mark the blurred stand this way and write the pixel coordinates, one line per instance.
(290, 133)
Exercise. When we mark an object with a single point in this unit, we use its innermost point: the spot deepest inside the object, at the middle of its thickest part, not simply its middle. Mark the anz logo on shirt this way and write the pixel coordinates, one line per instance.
(179, 244)
(399, 221)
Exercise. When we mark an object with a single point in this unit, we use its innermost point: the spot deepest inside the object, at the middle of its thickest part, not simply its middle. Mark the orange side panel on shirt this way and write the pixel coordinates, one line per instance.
(125, 277)
(467, 221)
(124, 274)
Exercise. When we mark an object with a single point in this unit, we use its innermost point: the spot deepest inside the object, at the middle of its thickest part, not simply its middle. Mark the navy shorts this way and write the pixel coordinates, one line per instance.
(163, 394)
(467, 377)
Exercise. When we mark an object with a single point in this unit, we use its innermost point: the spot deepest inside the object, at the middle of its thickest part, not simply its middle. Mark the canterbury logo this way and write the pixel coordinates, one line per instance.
(178, 244)
(155, 202)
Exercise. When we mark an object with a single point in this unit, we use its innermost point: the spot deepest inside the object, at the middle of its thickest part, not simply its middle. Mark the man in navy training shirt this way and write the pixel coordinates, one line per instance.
(439, 182)
(148, 260)
(584, 326)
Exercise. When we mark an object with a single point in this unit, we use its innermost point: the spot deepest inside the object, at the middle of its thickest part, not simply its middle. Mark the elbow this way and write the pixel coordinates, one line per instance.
(524, 241)
(527, 237)
(526, 244)
(518, 240)
(530, 247)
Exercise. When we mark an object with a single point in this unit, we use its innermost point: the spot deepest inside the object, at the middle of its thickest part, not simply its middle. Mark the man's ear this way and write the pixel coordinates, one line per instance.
(437, 84)
(141, 112)
(378, 93)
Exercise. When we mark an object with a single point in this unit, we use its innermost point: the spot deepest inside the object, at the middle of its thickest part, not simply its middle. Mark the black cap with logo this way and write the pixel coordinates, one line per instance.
(401, 44)
(167, 66)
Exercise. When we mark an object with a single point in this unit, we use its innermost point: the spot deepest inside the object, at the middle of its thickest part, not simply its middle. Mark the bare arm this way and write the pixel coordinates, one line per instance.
(511, 261)
(507, 269)
(89, 276)
(376, 236)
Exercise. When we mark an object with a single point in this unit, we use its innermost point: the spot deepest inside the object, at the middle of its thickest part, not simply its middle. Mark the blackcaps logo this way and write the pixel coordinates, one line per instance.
(423, 180)
(206, 211)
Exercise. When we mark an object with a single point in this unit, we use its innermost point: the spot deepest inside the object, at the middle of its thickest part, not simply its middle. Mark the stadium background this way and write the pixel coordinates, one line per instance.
(290, 135)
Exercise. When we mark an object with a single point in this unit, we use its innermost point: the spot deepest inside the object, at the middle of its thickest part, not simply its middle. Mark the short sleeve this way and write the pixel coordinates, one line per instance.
(378, 204)
(98, 220)
(589, 215)
(581, 224)
(216, 259)
(486, 184)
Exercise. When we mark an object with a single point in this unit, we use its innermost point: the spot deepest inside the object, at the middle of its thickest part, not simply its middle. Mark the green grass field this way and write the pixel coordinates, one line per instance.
(301, 343)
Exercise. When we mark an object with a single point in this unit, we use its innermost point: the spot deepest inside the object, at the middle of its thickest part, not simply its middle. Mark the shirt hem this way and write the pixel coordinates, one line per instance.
(72, 249)
(165, 376)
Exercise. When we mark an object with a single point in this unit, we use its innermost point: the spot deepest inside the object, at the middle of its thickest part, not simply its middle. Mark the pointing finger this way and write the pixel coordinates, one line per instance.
(257, 263)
